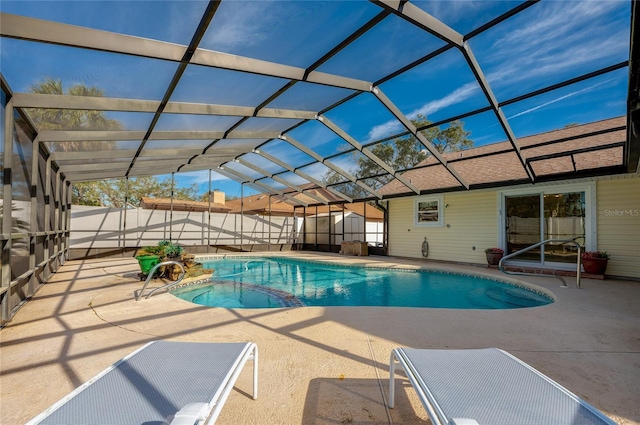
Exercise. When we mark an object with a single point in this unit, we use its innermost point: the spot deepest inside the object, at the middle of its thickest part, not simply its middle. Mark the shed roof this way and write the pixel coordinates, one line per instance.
(180, 205)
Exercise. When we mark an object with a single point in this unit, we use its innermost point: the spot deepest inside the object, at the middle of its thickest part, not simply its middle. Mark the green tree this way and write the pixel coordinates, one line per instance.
(401, 153)
(105, 192)
(110, 193)
(71, 119)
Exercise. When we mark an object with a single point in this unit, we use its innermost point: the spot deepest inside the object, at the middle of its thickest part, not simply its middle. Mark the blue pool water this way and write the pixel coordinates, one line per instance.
(280, 282)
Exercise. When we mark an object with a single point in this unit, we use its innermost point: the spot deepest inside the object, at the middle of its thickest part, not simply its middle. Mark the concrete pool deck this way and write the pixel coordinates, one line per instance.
(317, 365)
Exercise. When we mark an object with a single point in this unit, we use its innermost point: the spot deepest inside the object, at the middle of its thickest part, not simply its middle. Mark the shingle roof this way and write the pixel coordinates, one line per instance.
(259, 204)
(589, 146)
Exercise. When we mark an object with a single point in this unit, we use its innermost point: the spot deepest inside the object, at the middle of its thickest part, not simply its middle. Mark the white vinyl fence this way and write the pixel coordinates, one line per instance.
(102, 227)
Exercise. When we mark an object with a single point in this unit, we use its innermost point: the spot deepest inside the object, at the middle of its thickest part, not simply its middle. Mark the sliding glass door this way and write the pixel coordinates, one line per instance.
(523, 225)
(534, 217)
(564, 218)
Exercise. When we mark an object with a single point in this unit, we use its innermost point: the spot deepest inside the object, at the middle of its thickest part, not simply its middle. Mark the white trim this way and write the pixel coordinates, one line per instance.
(440, 200)
(591, 212)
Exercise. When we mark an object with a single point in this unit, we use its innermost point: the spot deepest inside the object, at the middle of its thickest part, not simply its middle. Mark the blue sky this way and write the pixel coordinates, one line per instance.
(550, 42)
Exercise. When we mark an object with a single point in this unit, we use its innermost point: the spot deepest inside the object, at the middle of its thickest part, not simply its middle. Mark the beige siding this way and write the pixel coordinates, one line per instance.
(470, 220)
(618, 203)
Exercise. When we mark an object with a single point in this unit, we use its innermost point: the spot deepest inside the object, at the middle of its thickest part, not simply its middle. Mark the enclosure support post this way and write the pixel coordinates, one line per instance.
(33, 239)
(316, 238)
(294, 232)
(64, 209)
(124, 212)
(68, 218)
(241, 213)
(304, 226)
(269, 243)
(364, 213)
(47, 217)
(343, 232)
(7, 197)
(209, 216)
(56, 220)
(171, 210)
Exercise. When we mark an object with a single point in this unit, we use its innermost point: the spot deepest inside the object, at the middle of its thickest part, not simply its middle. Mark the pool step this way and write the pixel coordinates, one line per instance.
(543, 271)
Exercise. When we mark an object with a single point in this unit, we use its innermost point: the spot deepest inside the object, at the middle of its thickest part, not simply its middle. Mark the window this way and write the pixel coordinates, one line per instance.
(428, 212)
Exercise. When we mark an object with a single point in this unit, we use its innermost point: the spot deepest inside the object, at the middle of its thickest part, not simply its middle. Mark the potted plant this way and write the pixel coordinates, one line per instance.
(493, 255)
(147, 258)
(594, 262)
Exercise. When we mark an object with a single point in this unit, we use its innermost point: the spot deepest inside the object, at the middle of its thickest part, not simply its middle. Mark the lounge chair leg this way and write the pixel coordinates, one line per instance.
(255, 372)
(392, 387)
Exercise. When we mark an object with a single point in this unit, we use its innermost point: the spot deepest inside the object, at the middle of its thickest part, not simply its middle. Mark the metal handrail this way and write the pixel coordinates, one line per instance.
(139, 293)
(529, 248)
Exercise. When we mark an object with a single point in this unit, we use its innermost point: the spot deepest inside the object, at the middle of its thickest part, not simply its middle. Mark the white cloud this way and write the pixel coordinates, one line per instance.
(535, 108)
(243, 26)
(548, 43)
(384, 129)
(393, 127)
(460, 94)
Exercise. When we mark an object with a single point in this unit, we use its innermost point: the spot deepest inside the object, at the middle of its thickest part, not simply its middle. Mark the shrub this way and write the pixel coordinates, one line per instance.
(173, 250)
(494, 251)
(153, 250)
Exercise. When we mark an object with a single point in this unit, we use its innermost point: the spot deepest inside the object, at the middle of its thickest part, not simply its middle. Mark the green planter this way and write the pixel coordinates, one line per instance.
(147, 262)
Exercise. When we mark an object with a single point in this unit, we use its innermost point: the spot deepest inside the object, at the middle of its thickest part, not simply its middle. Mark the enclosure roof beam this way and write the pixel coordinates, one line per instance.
(39, 30)
(246, 180)
(60, 156)
(114, 135)
(279, 180)
(93, 103)
(377, 92)
(90, 177)
(335, 168)
(365, 151)
(96, 166)
(502, 119)
(301, 174)
(422, 19)
(412, 13)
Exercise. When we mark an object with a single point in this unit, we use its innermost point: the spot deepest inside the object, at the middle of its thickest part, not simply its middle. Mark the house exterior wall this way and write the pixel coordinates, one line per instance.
(618, 205)
(471, 219)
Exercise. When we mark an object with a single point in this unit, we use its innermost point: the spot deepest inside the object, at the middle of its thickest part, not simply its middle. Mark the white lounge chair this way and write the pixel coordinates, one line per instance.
(488, 387)
(163, 382)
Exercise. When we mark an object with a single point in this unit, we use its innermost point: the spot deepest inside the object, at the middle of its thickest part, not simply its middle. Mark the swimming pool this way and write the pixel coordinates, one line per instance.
(250, 282)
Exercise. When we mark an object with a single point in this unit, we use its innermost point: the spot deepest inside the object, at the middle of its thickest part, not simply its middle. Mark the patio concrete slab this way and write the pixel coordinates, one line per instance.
(318, 365)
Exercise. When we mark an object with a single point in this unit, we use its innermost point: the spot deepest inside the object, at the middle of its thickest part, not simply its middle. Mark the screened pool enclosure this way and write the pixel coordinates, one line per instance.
(312, 103)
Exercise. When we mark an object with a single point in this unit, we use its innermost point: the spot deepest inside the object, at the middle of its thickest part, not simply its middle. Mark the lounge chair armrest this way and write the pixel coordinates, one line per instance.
(462, 421)
(191, 413)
